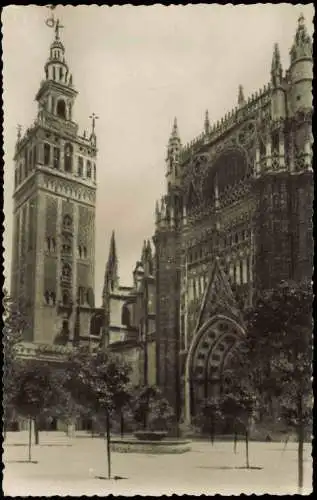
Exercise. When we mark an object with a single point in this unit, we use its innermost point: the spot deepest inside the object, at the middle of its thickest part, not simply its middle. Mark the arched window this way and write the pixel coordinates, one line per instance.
(275, 142)
(67, 245)
(94, 171)
(29, 166)
(80, 167)
(66, 271)
(56, 157)
(65, 298)
(67, 221)
(54, 73)
(47, 297)
(47, 154)
(61, 74)
(34, 156)
(88, 169)
(125, 316)
(61, 109)
(262, 148)
(53, 298)
(68, 160)
(276, 200)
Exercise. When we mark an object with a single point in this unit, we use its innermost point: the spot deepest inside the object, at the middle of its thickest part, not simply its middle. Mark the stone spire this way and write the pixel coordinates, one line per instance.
(302, 46)
(111, 281)
(207, 123)
(19, 136)
(147, 258)
(175, 134)
(143, 254)
(93, 137)
(276, 68)
(241, 100)
(174, 142)
(173, 152)
(157, 211)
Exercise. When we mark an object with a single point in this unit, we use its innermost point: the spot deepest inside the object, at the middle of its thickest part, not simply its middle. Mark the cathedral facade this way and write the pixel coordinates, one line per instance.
(236, 219)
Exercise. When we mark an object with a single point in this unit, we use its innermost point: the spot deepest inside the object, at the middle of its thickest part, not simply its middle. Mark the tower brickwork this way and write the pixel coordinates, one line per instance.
(54, 210)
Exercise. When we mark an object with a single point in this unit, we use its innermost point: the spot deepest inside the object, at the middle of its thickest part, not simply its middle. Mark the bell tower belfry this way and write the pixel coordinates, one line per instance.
(54, 210)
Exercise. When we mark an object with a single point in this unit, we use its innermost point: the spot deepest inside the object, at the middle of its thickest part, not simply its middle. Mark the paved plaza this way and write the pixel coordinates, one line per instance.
(71, 466)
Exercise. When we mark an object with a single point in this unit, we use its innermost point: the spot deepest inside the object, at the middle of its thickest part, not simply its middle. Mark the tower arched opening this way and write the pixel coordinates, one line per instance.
(61, 109)
(68, 158)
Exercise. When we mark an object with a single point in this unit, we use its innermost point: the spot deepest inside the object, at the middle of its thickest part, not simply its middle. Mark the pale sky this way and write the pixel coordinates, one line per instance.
(137, 68)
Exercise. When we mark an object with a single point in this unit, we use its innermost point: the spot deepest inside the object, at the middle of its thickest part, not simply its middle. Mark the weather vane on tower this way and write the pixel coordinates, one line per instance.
(93, 118)
(51, 22)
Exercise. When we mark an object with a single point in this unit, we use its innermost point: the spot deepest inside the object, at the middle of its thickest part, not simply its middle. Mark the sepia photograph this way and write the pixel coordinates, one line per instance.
(158, 249)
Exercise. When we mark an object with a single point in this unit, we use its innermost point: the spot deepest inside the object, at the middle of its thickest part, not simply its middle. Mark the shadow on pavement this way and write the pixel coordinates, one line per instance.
(225, 467)
(42, 445)
(107, 478)
(21, 461)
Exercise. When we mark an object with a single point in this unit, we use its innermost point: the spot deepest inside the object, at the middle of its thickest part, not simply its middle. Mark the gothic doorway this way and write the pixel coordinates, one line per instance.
(206, 360)
(218, 328)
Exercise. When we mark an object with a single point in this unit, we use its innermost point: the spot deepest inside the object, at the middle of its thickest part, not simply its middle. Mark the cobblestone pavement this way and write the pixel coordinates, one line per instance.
(71, 466)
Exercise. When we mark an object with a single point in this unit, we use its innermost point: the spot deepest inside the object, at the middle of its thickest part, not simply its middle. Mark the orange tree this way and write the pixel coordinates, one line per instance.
(98, 381)
(35, 391)
(276, 358)
(15, 323)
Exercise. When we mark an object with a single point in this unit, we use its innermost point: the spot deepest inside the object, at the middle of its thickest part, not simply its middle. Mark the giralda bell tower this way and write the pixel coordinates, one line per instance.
(54, 210)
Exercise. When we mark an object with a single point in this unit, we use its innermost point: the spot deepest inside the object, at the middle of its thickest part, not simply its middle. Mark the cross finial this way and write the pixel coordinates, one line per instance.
(301, 20)
(93, 118)
(19, 129)
(52, 23)
(58, 26)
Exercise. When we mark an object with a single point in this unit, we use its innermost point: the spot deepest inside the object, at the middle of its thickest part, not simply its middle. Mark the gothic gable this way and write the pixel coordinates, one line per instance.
(218, 298)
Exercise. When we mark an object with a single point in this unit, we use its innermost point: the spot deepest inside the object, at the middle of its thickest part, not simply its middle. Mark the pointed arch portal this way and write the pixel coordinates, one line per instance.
(206, 359)
(219, 328)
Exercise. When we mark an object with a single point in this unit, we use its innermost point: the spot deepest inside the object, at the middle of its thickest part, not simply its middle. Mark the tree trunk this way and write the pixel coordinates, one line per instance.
(300, 434)
(146, 410)
(247, 448)
(92, 428)
(30, 438)
(212, 431)
(235, 441)
(121, 424)
(70, 431)
(36, 432)
(108, 444)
